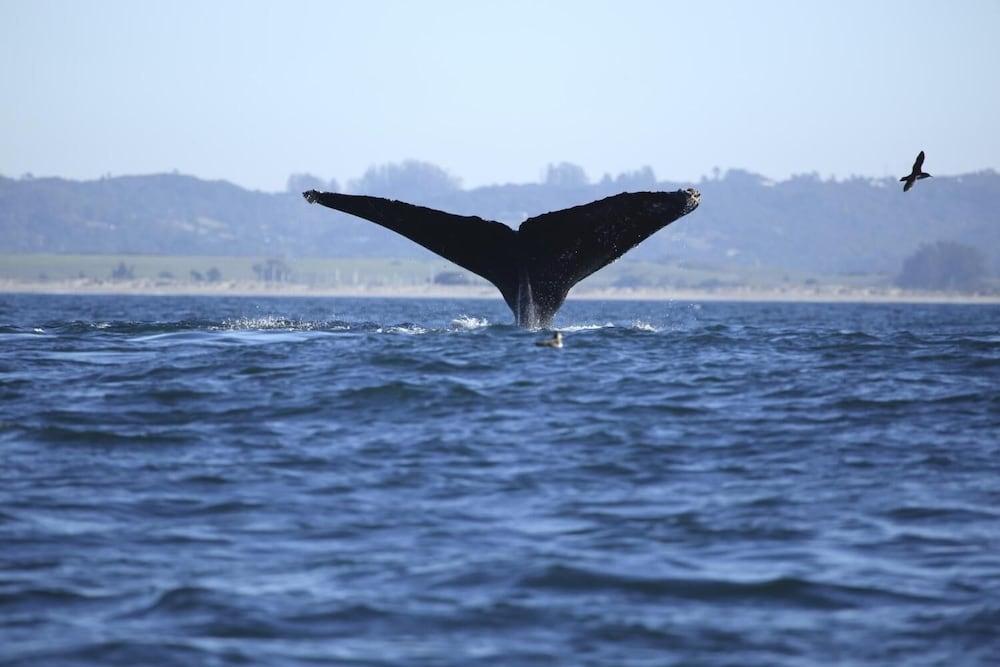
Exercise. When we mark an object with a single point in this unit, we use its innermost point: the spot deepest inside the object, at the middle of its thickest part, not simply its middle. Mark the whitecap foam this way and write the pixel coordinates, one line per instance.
(468, 322)
(410, 330)
(264, 323)
(570, 328)
(641, 325)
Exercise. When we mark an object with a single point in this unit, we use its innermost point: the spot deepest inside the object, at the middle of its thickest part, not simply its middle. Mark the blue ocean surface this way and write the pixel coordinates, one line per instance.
(305, 481)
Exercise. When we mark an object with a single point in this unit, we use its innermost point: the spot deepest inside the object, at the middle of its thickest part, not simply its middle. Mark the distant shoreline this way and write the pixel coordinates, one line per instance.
(811, 294)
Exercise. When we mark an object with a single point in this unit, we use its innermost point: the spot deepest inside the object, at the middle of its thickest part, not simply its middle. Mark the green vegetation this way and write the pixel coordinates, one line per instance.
(804, 232)
(178, 269)
(804, 224)
(944, 265)
(334, 273)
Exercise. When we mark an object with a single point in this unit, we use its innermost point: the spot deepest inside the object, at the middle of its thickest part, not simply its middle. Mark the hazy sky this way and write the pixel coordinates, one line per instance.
(493, 91)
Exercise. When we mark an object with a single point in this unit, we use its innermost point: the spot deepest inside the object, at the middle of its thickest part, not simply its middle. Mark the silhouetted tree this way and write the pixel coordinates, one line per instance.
(640, 179)
(122, 272)
(801, 224)
(196, 276)
(302, 182)
(213, 275)
(742, 178)
(273, 270)
(451, 278)
(943, 265)
(565, 175)
(408, 180)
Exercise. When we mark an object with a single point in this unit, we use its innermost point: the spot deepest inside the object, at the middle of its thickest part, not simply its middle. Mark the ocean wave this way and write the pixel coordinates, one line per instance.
(21, 335)
(940, 514)
(280, 323)
(641, 325)
(232, 324)
(388, 391)
(571, 328)
(103, 437)
(127, 326)
(780, 590)
(185, 599)
(119, 652)
(340, 613)
(469, 323)
(29, 598)
(349, 492)
(407, 329)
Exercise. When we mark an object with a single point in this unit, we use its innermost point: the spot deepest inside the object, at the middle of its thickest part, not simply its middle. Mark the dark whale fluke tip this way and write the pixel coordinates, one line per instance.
(535, 266)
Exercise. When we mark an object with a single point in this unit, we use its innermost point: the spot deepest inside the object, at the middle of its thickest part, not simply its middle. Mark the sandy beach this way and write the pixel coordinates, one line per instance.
(813, 293)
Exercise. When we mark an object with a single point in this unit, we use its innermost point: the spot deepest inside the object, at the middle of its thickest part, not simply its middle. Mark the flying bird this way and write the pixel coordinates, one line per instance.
(917, 173)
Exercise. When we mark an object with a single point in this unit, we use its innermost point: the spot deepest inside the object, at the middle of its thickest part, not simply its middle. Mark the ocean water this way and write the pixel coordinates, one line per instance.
(277, 481)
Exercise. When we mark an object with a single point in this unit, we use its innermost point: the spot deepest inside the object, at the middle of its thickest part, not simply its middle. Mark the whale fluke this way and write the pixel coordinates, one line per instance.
(535, 266)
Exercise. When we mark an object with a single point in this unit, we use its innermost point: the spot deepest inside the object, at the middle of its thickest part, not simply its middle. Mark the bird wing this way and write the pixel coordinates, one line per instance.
(919, 164)
(909, 184)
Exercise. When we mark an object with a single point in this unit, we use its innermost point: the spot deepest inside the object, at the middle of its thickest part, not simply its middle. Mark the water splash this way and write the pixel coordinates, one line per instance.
(278, 323)
(406, 329)
(265, 322)
(469, 323)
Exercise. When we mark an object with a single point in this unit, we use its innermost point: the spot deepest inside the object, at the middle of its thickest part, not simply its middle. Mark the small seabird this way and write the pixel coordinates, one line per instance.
(555, 341)
(917, 173)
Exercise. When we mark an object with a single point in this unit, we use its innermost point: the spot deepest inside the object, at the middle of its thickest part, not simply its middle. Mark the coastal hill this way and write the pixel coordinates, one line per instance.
(857, 225)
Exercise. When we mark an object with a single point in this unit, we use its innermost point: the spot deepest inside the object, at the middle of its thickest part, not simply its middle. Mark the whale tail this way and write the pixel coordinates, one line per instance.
(535, 266)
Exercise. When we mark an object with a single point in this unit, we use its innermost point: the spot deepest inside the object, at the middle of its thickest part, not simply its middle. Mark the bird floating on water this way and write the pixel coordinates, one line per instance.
(917, 173)
(555, 341)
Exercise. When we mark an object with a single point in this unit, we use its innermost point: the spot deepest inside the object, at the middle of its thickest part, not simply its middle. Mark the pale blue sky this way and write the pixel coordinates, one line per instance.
(493, 91)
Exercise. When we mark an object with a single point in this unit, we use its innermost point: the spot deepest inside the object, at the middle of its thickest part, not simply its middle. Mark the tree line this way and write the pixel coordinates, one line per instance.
(805, 223)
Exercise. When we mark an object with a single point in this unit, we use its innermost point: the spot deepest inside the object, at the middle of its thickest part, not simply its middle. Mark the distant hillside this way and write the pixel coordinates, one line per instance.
(857, 225)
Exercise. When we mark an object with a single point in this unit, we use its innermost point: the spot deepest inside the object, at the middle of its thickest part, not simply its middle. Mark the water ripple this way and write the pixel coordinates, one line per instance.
(357, 481)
